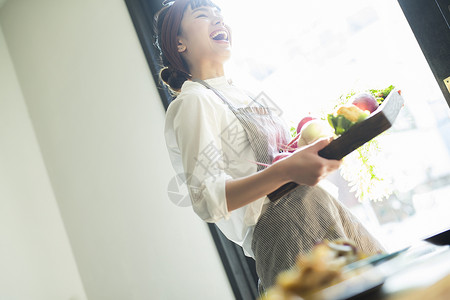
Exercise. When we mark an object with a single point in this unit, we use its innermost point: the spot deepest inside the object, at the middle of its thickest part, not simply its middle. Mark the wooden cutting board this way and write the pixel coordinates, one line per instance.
(359, 134)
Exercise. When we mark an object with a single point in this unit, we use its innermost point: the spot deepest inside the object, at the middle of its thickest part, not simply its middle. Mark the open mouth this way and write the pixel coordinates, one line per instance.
(219, 35)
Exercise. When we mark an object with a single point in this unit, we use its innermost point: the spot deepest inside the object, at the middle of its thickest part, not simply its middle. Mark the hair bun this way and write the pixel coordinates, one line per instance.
(173, 77)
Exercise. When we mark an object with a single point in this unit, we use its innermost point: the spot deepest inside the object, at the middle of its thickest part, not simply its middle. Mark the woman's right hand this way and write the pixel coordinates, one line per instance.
(305, 166)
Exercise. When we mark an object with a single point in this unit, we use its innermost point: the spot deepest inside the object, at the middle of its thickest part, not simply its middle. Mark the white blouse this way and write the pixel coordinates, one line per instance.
(208, 145)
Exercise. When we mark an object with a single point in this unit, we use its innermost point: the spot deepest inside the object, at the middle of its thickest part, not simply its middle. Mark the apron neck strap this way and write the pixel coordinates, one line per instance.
(218, 93)
(224, 99)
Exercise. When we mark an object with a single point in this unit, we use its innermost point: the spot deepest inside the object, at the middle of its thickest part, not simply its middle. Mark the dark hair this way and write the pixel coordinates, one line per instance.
(175, 70)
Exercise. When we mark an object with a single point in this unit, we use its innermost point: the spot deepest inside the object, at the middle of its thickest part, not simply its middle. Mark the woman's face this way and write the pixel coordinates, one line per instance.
(204, 37)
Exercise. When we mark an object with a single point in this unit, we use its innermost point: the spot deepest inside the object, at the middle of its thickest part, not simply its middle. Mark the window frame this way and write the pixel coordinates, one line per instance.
(433, 36)
(142, 15)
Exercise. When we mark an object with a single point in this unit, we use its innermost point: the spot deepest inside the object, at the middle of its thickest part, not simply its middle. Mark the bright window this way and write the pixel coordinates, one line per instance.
(305, 54)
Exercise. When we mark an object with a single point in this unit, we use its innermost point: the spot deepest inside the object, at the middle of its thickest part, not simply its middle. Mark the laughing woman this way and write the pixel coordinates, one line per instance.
(215, 132)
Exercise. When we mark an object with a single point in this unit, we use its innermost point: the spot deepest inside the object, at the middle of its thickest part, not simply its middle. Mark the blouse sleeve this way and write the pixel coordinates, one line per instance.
(195, 122)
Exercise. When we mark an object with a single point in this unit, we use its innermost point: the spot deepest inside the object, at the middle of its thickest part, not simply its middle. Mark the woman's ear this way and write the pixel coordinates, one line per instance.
(181, 47)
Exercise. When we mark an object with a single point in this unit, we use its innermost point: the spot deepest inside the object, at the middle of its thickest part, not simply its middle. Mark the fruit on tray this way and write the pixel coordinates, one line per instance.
(365, 101)
(345, 117)
(310, 130)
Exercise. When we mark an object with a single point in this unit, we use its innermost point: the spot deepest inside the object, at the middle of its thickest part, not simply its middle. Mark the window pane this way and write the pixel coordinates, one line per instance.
(304, 55)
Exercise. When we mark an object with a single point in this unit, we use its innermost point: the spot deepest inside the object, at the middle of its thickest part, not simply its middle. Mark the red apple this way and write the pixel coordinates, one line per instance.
(303, 122)
(365, 101)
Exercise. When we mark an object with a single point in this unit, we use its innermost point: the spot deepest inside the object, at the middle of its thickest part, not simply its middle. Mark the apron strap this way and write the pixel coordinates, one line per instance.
(218, 93)
(224, 99)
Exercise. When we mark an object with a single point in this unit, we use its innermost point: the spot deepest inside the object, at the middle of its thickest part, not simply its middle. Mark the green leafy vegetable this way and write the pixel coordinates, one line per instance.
(380, 95)
(340, 123)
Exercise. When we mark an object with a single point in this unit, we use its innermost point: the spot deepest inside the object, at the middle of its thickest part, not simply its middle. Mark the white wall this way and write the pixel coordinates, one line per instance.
(36, 261)
(99, 122)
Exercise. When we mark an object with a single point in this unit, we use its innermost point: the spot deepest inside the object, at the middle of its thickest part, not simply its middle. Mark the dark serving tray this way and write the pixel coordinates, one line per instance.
(359, 134)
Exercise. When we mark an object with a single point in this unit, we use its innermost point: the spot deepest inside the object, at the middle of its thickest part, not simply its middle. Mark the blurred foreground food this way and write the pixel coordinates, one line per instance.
(323, 267)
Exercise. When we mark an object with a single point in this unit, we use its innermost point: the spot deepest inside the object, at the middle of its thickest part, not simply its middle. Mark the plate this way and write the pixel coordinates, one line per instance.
(357, 287)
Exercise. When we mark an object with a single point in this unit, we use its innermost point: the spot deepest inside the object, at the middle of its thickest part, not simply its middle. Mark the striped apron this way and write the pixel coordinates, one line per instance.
(296, 222)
